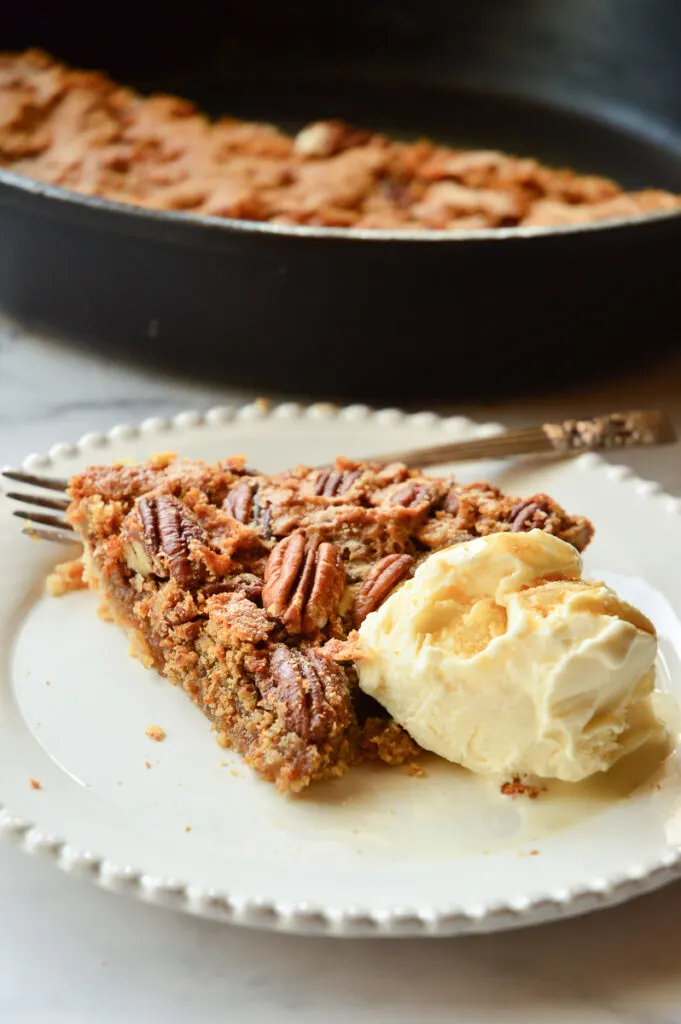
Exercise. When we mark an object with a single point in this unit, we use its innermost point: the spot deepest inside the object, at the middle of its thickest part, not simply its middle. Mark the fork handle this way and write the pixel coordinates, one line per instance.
(569, 437)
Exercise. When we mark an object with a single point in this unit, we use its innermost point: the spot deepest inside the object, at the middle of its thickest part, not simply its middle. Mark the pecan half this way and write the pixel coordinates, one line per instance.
(243, 504)
(308, 693)
(326, 138)
(411, 495)
(451, 503)
(396, 192)
(331, 483)
(245, 583)
(266, 523)
(381, 579)
(137, 557)
(319, 139)
(530, 514)
(304, 581)
(168, 531)
(393, 473)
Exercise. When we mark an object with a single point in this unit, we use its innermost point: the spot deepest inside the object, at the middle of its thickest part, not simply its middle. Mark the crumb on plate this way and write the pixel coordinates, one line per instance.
(35, 784)
(155, 733)
(66, 576)
(518, 788)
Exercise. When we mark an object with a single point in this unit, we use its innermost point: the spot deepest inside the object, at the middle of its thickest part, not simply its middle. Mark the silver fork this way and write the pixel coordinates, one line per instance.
(569, 437)
(40, 524)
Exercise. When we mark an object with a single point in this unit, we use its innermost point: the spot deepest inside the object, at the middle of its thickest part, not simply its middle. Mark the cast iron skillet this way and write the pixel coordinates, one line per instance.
(596, 86)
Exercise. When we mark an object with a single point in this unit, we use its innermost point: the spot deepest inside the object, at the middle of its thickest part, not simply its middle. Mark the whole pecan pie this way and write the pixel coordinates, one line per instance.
(245, 589)
(83, 131)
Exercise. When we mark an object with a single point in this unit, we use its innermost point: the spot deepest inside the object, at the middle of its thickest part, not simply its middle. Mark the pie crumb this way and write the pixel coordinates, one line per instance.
(415, 771)
(161, 460)
(104, 613)
(35, 784)
(518, 788)
(187, 828)
(155, 733)
(66, 576)
(147, 764)
(533, 853)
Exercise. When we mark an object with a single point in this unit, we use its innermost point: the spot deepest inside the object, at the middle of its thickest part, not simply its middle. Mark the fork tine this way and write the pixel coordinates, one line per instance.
(50, 483)
(54, 535)
(60, 504)
(44, 520)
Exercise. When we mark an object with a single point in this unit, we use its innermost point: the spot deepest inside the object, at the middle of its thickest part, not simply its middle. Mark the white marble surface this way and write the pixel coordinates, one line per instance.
(71, 954)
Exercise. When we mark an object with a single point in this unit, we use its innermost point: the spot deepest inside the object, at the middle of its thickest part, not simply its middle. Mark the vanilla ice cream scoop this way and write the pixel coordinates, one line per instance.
(498, 656)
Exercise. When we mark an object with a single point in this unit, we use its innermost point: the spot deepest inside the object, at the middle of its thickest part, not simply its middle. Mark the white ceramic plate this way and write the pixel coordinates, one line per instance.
(376, 853)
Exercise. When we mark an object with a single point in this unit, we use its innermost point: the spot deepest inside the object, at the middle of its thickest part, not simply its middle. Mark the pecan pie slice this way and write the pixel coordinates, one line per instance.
(246, 589)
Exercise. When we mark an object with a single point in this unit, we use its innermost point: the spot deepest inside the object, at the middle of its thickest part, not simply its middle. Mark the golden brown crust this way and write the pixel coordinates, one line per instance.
(251, 618)
(82, 131)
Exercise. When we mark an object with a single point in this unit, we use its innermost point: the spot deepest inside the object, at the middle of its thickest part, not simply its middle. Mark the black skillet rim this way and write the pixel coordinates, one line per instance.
(141, 215)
